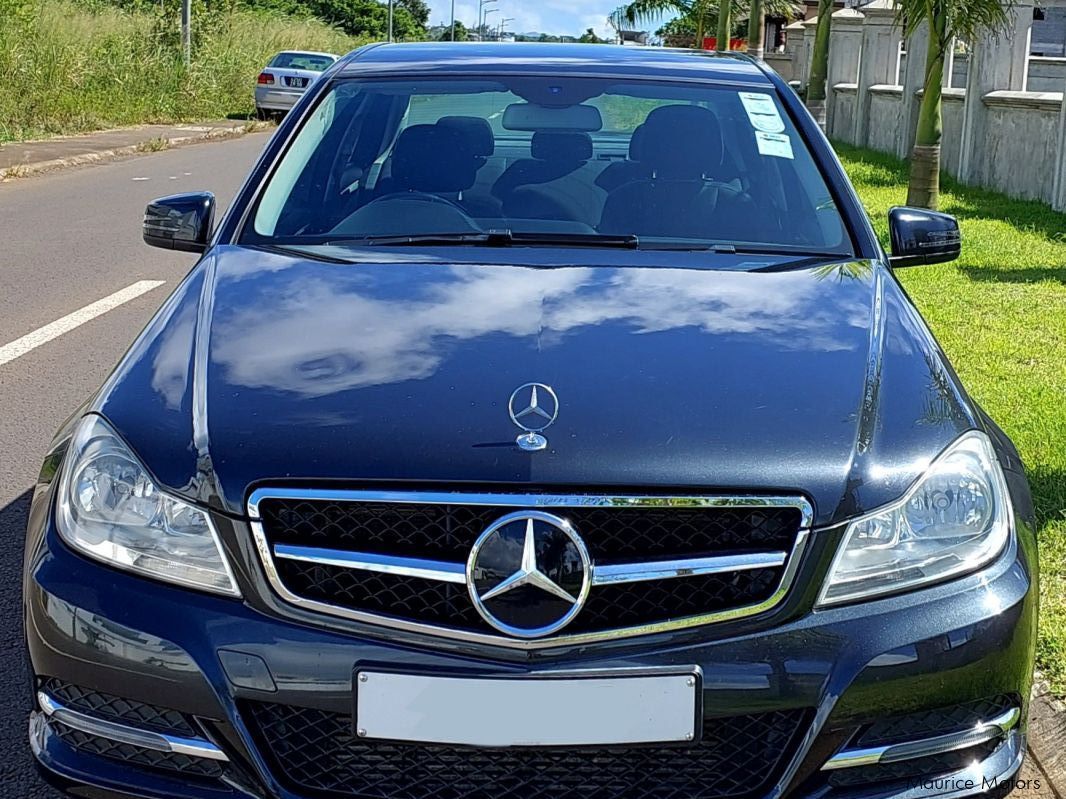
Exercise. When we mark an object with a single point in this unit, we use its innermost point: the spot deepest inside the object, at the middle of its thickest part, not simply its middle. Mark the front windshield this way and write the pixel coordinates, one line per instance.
(690, 166)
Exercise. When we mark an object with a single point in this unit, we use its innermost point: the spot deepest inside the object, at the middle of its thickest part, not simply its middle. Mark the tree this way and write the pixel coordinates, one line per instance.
(756, 28)
(816, 88)
(700, 14)
(722, 38)
(418, 9)
(947, 20)
(590, 37)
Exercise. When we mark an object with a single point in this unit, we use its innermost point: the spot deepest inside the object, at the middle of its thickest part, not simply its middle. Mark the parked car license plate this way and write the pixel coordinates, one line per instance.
(296, 83)
(570, 709)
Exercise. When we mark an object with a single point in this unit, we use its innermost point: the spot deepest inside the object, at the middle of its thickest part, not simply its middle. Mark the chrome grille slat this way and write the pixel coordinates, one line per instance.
(433, 555)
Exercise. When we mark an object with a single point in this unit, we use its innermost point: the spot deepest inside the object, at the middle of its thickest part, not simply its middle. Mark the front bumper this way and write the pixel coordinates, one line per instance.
(216, 660)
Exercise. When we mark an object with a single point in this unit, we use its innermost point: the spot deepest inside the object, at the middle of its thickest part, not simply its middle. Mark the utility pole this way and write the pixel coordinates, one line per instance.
(186, 30)
(481, 15)
(390, 18)
(503, 24)
(453, 20)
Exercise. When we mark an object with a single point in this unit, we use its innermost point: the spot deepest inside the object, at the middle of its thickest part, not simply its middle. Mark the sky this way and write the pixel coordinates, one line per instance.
(569, 17)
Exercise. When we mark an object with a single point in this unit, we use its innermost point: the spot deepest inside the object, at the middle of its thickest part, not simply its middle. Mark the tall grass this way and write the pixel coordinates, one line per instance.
(70, 67)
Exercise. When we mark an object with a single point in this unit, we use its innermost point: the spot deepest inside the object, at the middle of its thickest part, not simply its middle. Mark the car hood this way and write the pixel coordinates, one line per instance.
(270, 368)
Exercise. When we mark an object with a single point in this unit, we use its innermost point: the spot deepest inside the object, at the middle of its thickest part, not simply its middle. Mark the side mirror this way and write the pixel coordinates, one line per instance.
(923, 237)
(180, 221)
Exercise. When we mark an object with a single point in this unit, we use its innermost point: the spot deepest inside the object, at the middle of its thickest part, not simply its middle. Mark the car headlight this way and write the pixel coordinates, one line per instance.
(954, 520)
(110, 509)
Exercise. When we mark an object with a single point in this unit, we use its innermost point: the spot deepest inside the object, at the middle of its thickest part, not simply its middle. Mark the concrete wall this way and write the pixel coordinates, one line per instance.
(1004, 120)
(1021, 140)
(886, 110)
(842, 123)
(951, 144)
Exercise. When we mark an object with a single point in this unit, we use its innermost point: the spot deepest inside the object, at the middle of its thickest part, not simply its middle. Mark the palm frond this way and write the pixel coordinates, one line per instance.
(964, 19)
(646, 11)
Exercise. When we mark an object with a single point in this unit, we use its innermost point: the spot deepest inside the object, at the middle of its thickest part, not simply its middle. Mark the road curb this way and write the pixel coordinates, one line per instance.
(1047, 735)
(148, 145)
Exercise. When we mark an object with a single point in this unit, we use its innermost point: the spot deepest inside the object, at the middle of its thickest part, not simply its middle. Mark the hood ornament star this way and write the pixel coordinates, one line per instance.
(540, 409)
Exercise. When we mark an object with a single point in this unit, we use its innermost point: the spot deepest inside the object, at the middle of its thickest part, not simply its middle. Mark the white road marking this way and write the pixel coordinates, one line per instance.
(136, 179)
(53, 330)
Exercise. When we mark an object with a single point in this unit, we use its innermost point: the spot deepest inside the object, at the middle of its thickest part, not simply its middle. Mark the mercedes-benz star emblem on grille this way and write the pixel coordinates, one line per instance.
(529, 574)
(533, 407)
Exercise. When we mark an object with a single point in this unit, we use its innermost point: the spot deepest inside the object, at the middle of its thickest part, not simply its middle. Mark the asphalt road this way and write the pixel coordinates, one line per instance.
(68, 240)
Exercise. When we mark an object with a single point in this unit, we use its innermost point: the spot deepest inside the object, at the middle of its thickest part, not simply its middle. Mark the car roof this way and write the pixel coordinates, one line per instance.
(600, 60)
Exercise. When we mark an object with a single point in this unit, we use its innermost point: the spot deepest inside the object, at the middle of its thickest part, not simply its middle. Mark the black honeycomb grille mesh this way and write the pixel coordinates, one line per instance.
(447, 532)
(316, 751)
(136, 755)
(936, 721)
(114, 708)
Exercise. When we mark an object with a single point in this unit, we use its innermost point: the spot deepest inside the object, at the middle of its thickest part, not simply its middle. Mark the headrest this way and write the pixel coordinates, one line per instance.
(477, 131)
(434, 158)
(636, 143)
(681, 142)
(558, 145)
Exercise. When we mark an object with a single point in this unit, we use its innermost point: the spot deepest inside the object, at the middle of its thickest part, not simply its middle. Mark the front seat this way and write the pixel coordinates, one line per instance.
(683, 149)
(478, 200)
(550, 185)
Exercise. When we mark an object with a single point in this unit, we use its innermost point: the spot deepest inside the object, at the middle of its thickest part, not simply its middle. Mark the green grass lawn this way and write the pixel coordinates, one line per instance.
(1000, 313)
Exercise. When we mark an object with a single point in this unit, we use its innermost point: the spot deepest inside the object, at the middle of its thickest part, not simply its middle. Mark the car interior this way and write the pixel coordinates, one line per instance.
(658, 162)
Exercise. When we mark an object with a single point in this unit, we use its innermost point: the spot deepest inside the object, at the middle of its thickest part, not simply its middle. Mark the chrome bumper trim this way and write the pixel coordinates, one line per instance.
(940, 744)
(157, 741)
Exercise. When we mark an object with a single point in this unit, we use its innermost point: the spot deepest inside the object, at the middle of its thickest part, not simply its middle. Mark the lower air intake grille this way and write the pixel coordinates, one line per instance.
(124, 711)
(136, 755)
(921, 768)
(936, 721)
(317, 751)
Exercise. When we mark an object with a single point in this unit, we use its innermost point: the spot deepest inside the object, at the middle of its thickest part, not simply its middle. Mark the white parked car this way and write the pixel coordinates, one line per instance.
(285, 78)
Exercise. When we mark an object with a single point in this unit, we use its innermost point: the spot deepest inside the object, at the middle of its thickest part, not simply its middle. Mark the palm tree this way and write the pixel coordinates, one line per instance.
(702, 13)
(948, 20)
(722, 37)
(816, 88)
(756, 28)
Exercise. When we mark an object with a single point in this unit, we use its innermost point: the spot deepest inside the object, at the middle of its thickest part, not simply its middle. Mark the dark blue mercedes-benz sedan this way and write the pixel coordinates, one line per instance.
(539, 422)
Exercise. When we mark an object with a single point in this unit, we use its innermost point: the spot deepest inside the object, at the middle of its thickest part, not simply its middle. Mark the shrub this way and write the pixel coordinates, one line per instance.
(82, 66)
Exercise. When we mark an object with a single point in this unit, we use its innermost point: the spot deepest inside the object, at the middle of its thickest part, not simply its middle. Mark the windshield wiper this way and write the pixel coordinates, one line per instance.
(493, 238)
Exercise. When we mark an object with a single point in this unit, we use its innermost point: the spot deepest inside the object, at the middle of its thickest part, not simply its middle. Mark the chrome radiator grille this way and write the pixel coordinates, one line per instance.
(401, 558)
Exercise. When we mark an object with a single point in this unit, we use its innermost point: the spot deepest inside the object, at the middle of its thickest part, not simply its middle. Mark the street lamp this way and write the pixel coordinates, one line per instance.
(502, 25)
(390, 20)
(481, 14)
(453, 20)
(488, 11)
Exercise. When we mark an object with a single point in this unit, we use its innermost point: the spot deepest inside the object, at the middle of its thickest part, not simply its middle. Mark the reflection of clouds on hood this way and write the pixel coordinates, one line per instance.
(318, 340)
(170, 367)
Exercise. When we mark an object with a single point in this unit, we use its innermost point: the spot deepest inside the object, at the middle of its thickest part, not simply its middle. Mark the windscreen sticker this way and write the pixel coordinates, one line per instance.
(776, 144)
(762, 112)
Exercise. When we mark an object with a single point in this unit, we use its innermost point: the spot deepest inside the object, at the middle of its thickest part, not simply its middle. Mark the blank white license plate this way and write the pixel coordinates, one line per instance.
(573, 710)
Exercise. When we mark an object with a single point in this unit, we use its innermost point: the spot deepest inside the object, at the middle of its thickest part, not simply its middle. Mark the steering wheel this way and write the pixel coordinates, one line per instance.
(373, 216)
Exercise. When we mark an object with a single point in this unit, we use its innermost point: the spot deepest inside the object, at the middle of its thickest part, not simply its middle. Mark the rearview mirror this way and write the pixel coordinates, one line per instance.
(180, 221)
(923, 237)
